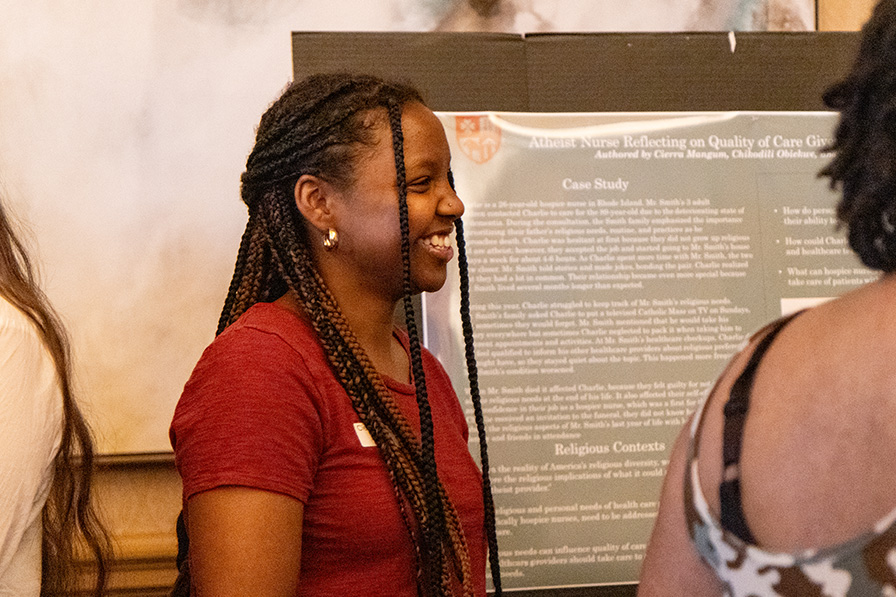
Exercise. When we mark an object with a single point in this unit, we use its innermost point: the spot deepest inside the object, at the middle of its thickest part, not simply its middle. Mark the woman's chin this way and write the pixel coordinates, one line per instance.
(429, 285)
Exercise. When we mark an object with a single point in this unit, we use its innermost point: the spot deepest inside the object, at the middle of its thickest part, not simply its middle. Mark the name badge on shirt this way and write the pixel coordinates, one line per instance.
(364, 435)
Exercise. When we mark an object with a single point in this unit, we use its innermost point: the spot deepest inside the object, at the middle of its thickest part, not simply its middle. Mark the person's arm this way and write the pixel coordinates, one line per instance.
(244, 541)
(672, 567)
(30, 430)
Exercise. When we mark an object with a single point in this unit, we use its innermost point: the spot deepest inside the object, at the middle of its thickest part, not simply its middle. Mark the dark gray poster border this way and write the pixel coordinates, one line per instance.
(592, 72)
(597, 72)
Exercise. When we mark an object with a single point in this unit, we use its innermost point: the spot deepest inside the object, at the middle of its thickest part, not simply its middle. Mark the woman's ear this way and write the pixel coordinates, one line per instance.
(314, 199)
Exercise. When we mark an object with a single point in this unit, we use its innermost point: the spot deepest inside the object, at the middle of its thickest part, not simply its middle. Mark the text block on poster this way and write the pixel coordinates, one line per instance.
(617, 261)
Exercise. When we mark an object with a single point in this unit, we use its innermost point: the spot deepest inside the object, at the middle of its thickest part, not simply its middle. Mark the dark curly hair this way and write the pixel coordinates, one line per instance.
(864, 164)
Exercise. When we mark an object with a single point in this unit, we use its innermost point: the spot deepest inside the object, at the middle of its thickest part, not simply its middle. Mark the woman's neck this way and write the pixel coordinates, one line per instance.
(372, 324)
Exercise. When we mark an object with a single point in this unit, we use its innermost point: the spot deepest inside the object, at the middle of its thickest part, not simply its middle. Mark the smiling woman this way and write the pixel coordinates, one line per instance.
(367, 267)
(314, 438)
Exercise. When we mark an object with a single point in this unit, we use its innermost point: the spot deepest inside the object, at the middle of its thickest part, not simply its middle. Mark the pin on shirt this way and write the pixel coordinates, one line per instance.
(364, 435)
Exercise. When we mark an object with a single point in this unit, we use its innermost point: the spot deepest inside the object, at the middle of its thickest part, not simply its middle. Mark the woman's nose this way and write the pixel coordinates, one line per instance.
(451, 205)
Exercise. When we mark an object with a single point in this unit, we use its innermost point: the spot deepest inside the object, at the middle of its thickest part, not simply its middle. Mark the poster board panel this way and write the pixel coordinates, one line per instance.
(616, 263)
(689, 71)
(454, 71)
(597, 72)
(607, 73)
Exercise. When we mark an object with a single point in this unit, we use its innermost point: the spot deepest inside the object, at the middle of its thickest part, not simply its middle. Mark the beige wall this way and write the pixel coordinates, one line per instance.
(843, 15)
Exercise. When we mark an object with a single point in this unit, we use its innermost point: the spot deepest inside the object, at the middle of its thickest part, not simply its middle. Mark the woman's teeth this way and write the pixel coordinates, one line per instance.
(437, 240)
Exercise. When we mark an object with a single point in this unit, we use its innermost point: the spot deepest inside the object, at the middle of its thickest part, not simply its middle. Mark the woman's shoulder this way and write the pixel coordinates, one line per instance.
(816, 438)
(270, 318)
(262, 365)
(22, 348)
(269, 328)
(31, 403)
(268, 346)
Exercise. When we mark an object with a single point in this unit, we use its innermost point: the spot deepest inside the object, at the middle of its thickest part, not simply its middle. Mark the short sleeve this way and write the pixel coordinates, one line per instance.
(248, 416)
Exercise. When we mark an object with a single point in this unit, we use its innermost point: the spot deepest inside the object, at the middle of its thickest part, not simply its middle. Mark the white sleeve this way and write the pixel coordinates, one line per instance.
(30, 432)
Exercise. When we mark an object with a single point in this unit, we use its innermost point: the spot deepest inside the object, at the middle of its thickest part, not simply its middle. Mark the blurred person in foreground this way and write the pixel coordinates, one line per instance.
(783, 482)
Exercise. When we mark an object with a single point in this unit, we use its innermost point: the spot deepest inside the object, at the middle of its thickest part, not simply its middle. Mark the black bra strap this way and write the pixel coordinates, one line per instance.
(732, 514)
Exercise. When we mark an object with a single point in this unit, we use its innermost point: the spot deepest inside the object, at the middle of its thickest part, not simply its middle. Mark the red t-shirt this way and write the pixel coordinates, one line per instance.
(262, 409)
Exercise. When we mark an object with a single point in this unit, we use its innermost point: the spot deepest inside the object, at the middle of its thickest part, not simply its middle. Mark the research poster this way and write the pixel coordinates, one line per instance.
(617, 261)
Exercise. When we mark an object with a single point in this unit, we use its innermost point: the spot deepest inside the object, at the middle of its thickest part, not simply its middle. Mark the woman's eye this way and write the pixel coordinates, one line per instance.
(419, 184)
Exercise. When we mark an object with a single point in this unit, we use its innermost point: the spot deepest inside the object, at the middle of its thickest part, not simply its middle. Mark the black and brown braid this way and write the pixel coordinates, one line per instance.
(317, 127)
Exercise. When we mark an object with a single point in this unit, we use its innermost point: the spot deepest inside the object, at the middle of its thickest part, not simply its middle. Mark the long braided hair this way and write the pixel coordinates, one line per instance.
(319, 126)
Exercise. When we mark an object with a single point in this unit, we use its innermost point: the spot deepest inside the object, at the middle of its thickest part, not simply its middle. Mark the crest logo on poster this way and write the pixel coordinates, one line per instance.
(477, 137)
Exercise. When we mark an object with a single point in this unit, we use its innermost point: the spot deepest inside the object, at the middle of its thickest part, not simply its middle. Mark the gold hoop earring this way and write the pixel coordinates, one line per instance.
(331, 240)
